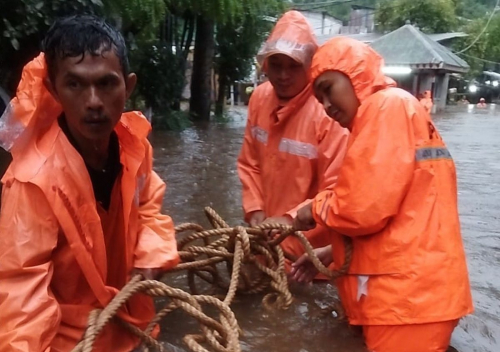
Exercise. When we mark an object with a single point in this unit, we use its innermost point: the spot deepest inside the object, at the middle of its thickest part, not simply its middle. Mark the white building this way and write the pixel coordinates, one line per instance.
(322, 23)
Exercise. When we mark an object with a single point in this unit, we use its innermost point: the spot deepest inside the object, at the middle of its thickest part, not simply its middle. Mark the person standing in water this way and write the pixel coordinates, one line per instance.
(396, 198)
(291, 149)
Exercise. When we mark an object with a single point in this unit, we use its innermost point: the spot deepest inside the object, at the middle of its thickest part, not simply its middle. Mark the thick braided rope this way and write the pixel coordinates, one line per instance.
(238, 247)
(220, 336)
(222, 244)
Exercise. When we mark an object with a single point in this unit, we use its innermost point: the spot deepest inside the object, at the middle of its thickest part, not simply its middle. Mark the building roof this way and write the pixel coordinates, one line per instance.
(409, 47)
(361, 7)
(362, 37)
(494, 75)
(371, 37)
(439, 37)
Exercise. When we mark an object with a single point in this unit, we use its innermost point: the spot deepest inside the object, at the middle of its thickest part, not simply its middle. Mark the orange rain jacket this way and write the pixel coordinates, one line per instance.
(396, 197)
(426, 101)
(53, 265)
(290, 152)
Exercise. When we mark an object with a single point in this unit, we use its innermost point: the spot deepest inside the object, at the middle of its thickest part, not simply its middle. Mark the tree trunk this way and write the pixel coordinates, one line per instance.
(201, 88)
(183, 48)
(221, 96)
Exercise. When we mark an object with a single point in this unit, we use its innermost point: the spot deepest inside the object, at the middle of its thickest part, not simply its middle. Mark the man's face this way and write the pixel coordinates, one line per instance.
(287, 76)
(92, 92)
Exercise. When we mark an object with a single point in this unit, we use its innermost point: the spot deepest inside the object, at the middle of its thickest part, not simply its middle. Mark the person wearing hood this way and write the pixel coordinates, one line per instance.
(291, 149)
(482, 103)
(396, 199)
(426, 101)
(81, 204)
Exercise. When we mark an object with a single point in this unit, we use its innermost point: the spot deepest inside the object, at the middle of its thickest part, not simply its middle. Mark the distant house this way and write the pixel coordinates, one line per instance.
(322, 23)
(419, 63)
(361, 20)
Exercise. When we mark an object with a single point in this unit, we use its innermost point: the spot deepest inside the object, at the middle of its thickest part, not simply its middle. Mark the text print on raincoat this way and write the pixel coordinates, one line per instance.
(290, 150)
(396, 197)
(53, 260)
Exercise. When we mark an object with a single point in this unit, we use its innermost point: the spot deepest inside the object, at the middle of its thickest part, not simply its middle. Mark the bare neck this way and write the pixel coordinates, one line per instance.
(94, 152)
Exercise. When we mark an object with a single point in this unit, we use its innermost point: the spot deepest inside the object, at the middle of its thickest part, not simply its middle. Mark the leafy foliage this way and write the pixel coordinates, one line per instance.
(486, 48)
(340, 9)
(22, 27)
(238, 43)
(158, 68)
(30, 17)
(138, 17)
(473, 9)
(432, 16)
(224, 11)
(236, 48)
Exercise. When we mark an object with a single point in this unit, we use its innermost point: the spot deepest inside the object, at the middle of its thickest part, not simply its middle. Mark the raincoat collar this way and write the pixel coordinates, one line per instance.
(283, 111)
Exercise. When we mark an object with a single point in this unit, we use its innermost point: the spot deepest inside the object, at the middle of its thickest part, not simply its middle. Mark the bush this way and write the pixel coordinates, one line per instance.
(160, 82)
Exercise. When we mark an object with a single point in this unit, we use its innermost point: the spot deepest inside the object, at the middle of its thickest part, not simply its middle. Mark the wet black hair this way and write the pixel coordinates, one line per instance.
(78, 35)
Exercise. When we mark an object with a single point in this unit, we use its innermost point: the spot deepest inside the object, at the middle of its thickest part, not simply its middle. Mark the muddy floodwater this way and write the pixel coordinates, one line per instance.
(199, 165)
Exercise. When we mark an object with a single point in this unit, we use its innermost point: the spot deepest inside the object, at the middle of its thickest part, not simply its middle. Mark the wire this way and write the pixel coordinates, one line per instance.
(478, 58)
(482, 32)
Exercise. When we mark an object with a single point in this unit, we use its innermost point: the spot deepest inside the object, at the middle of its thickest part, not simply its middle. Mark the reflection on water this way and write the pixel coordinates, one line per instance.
(199, 166)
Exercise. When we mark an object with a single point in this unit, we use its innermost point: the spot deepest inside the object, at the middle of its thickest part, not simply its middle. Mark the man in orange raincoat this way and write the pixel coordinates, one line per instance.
(81, 205)
(396, 199)
(291, 149)
(426, 101)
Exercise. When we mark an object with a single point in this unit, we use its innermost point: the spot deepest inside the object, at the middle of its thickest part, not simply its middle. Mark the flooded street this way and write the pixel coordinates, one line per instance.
(199, 166)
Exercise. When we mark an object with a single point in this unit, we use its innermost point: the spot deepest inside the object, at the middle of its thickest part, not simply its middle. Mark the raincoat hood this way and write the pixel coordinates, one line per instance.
(292, 36)
(32, 109)
(358, 61)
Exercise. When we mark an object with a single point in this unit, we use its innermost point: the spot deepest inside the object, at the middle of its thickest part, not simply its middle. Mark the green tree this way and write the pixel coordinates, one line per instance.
(25, 22)
(210, 13)
(473, 9)
(340, 9)
(23, 25)
(482, 51)
(140, 18)
(237, 45)
(432, 16)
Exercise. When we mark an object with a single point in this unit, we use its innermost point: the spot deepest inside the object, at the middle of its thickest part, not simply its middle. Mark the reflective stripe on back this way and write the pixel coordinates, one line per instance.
(432, 153)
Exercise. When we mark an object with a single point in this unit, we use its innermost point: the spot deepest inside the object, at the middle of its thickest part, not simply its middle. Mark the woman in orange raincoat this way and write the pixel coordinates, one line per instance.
(291, 149)
(70, 233)
(396, 198)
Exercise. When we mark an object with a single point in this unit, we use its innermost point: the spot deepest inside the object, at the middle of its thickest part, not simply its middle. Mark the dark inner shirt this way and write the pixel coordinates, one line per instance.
(104, 179)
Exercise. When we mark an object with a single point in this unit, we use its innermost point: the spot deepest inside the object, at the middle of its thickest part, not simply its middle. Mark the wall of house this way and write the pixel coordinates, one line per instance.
(437, 82)
(363, 19)
(420, 81)
(441, 91)
(322, 23)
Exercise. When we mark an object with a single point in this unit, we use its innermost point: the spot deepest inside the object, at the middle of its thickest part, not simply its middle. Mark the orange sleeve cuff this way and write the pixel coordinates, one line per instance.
(320, 208)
